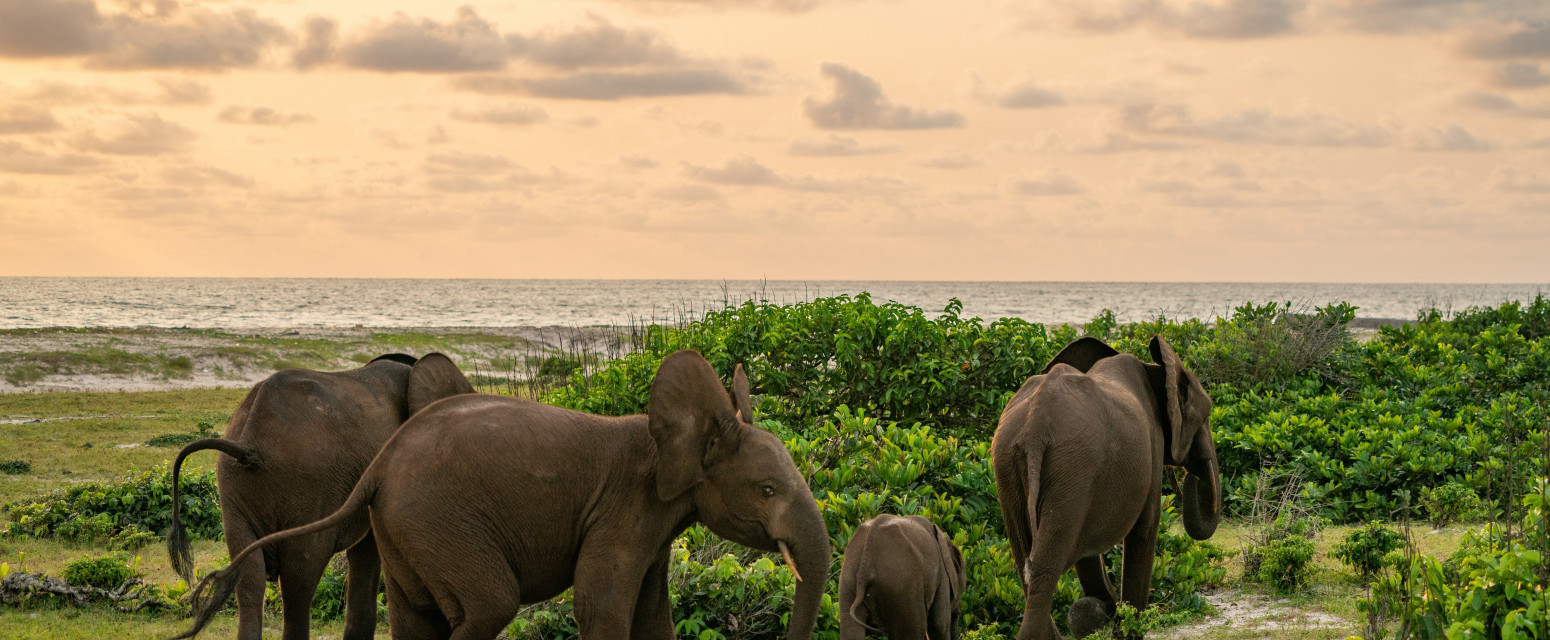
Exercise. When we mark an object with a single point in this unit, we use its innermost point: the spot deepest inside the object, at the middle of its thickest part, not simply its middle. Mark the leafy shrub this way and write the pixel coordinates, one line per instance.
(1449, 503)
(131, 538)
(1364, 549)
(95, 512)
(102, 572)
(203, 430)
(1274, 345)
(15, 467)
(1286, 564)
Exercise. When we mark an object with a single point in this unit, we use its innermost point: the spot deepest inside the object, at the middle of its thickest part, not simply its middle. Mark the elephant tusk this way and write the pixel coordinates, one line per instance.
(787, 553)
(1216, 490)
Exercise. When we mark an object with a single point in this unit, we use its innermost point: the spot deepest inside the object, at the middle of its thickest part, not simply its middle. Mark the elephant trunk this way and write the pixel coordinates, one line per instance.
(811, 557)
(1200, 500)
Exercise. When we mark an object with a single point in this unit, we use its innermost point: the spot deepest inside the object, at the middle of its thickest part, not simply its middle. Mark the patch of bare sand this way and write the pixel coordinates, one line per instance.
(1255, 614)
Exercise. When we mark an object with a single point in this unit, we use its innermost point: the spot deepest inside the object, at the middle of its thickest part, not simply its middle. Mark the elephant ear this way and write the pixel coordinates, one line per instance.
(739, 395)
(1186, 404)
(952, 564)
(1082, 354)
(435, 377)
(692, 420)
(395, 357)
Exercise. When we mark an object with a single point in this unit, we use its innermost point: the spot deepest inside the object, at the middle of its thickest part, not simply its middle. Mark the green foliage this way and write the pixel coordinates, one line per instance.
(102, 572)
(1364, 549)
(99, 512)
(1494, 585)
(201, 431)
(15, 467)
(1449, 503)
(1286, 564)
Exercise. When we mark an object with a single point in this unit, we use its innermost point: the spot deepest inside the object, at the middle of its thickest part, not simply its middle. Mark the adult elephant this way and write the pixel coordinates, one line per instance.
(1079, 456)
(902, 576)
(481, 504)
(294, 449)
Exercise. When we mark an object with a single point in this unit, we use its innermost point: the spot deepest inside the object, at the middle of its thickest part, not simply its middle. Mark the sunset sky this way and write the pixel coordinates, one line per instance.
(1179, 140)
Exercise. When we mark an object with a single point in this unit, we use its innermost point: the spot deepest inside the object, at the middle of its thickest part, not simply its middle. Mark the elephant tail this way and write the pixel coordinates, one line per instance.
(864, 589)
(221, 584)
(177, 538)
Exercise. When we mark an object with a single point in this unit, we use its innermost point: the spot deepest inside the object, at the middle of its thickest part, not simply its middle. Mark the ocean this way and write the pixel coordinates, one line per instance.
(27, 302)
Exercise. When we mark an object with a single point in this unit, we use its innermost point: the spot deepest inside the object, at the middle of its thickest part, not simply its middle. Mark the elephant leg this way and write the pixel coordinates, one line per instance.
(608, 584)
(250, 584)
(408, 623)
(1096, 609)
(1049, 557)
(301, 568)
(939, 618)
(360, 604)
(1140, 553)
(654, 609)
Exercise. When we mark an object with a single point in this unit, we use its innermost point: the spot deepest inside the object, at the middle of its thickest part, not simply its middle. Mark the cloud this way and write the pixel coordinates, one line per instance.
(203, 176)
(170, 91)
(1519, 75)
(139, 135)
(1402, 16)
(514, 114)
(636, 161)
(1513, 180)
(949, 161)
(1519, 39)
(1021, 93)
(182, 91)
(746, 172)
(858, 103)
(14, 158)
(688, 193)
(468, 43)
(263, 116)
(319, 35)
(597, 44)
(1450, 138)
(1502, 104)
(1054, 182)
(1212, 19)
(48, 28)
(466, 161)
(835, 146)
(169, 36)
(603, 85)
(1307, 128)
(781, 6)
(24, 118)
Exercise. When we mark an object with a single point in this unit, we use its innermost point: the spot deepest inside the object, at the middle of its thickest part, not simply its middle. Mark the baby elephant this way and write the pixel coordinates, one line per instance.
(902, 577)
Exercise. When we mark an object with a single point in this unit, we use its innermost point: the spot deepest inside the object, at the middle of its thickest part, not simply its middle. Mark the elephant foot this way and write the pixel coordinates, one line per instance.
(1088, 615)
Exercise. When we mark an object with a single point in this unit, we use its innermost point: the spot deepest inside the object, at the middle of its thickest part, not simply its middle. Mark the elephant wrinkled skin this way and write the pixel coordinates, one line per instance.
(902, 576)
(1079, 456)
(294, 449)
(480, 504)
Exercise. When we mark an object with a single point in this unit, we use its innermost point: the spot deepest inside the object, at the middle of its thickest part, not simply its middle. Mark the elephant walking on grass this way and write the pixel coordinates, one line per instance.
(481, 504)
(902, 577)
(1079, 456)
(294, 450)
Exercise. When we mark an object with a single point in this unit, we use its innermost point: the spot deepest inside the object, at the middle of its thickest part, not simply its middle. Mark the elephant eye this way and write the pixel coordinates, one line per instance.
(768, 491)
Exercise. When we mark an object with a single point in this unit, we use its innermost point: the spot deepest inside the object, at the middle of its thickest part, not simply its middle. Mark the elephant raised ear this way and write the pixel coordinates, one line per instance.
(435, 377)
(739, 395)
(692, 419)
(1186, 403)
(396, 357)
(1082, 354)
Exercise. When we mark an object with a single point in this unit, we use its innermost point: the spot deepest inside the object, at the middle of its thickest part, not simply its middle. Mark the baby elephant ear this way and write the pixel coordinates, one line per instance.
(435, 377)
(1082, 354)
(739, 394)
(692, 421)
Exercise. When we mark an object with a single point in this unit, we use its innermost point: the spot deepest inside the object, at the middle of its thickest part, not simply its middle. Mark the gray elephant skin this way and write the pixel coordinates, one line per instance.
(1079, 456)
(294, 450)
(481, 504)
(902, 576)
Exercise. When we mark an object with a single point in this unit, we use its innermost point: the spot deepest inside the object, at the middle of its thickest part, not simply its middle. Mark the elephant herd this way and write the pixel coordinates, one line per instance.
(472, 505)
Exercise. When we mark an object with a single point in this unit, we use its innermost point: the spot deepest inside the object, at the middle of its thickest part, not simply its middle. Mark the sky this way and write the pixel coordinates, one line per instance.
(1060, 140)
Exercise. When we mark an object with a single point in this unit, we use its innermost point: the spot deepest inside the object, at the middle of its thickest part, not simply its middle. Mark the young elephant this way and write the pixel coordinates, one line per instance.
(903, 577)
(480, 504)
(294, 449)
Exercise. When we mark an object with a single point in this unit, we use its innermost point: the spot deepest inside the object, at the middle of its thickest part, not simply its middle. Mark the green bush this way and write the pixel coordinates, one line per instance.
(1449, 503)
(102, 572)
(1364, 549)
(15, 467)
(97, 512)
(1286, 564)
(203, 430)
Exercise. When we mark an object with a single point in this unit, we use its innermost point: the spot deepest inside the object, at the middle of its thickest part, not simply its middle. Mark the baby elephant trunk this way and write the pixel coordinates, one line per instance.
(1200, 499)
(810, 557)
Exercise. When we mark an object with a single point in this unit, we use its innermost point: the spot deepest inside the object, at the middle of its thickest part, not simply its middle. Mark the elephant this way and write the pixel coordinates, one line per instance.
(480, 504)
(294, 450)
(905, 575)
(1079, 455)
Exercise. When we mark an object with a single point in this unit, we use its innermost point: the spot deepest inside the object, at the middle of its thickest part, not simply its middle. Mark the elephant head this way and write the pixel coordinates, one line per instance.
(744, 485)
(1187, 436)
